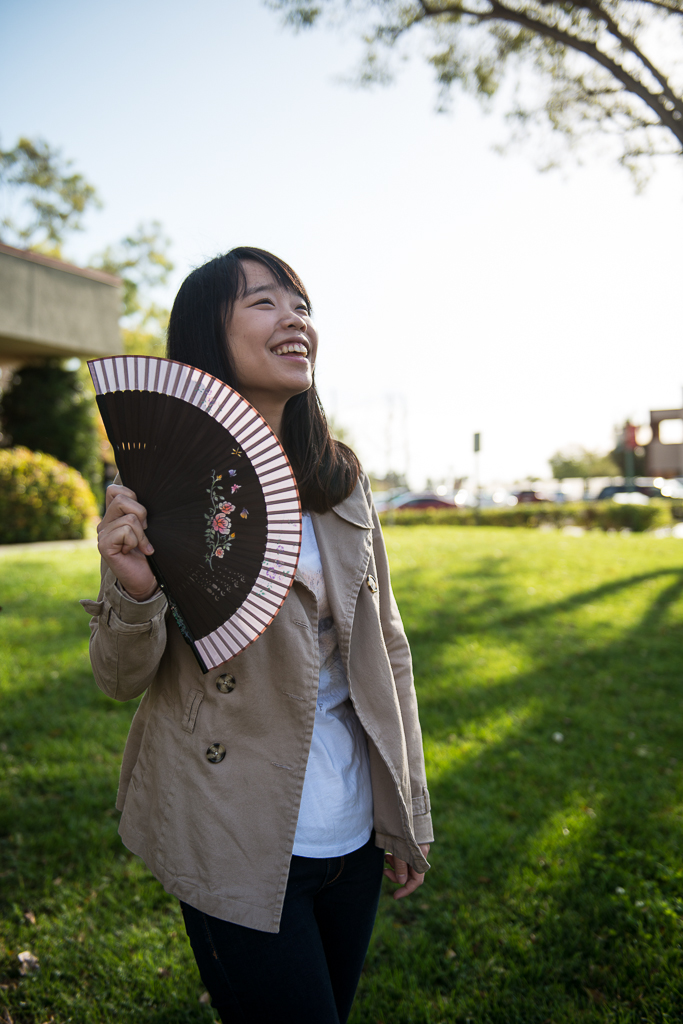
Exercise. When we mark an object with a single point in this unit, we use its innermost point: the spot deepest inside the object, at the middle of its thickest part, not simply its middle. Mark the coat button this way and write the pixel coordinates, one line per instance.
(372, 584)
(215, 753)
(225, 683)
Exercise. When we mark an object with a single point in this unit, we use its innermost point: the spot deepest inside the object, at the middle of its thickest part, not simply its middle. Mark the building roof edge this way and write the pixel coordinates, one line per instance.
(67, 268)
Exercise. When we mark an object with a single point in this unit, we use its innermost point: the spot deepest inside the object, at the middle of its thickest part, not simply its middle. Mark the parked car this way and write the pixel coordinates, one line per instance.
(672, 488)
(386, 500)
(421, 501)
(609, 492)
(526, 497)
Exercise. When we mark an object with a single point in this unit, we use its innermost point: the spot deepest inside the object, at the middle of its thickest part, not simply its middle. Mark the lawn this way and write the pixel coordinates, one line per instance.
(548, 669)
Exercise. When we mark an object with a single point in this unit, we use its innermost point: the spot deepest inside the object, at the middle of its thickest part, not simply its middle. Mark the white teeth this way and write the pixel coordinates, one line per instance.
(291, 347)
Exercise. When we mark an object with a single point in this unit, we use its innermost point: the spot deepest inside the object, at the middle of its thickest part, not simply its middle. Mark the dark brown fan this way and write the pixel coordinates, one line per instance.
(223, 509)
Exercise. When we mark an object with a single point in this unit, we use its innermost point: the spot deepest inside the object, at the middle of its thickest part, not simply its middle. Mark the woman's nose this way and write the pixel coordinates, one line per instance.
(294, 319)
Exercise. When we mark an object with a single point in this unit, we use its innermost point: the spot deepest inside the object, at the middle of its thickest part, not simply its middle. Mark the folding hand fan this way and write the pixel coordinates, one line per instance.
(223, 509)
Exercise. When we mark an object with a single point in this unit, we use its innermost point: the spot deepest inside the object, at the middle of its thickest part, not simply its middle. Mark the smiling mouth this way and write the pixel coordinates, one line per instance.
(296, 348)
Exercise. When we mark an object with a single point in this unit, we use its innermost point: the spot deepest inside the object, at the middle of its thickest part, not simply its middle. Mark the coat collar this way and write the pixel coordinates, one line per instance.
(344, 538)
(354, 509)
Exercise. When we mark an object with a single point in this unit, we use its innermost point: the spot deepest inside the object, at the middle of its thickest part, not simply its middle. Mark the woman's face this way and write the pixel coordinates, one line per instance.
(272, 340)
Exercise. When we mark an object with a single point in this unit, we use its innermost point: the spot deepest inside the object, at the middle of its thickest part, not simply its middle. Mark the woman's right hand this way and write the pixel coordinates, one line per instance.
(123, 545)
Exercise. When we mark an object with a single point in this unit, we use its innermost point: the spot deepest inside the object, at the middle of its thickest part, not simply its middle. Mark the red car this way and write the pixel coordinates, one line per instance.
(423, 501)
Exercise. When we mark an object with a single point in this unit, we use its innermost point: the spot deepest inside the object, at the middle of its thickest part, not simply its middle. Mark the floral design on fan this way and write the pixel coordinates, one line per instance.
(218, 531)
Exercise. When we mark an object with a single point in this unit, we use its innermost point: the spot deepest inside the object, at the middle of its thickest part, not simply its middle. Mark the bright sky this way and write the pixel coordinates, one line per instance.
(455, 290)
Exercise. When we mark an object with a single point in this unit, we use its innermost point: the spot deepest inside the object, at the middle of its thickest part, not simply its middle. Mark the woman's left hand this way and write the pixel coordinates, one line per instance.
(408, 878)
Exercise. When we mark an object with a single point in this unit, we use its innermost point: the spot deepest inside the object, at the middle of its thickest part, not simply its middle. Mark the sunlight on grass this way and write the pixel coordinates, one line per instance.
(549, 673)
(476, 736)
(563, 835)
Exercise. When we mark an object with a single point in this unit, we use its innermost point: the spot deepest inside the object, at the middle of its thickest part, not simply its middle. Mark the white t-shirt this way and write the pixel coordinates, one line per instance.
(336, 810)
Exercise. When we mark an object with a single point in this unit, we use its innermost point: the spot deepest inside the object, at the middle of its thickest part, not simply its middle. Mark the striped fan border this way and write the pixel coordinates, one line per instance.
(275, 475)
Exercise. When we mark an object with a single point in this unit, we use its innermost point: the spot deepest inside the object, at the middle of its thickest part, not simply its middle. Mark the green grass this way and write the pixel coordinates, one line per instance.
(556, 891)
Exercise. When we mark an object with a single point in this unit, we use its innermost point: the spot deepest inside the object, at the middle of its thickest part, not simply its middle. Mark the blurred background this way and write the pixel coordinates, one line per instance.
(489, 226)
(457, 289)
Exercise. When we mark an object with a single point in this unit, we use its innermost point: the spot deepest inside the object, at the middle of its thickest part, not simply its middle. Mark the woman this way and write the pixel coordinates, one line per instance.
(276, 850)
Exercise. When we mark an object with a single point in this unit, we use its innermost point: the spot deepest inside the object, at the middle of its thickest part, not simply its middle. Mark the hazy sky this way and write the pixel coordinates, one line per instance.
(455, 290)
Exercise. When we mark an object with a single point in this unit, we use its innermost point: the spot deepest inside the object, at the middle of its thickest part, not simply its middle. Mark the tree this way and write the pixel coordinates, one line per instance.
(582, 463)
(41, 200)
(609, 66)
(391, 481)
(142, 262)
(48, 409)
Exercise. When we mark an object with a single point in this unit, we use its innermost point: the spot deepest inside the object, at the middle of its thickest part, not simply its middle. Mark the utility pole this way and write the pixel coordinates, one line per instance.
(629, 442)
(406, 441)
(477, 450)
(390, 433)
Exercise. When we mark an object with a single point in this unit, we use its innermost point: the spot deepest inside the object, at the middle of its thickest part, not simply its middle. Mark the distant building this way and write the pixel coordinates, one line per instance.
(662, 456)
(51, 309)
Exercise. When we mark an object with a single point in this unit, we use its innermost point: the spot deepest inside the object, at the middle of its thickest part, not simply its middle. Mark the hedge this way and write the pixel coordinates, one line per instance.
(41, 498)
(605, 515)
(52, 410)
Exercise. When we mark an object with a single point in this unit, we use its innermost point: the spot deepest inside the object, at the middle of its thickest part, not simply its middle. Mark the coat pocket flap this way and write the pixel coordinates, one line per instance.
(192, 705)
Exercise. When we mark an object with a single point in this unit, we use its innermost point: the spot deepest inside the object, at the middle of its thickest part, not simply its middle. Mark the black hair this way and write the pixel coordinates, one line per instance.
(326, 469)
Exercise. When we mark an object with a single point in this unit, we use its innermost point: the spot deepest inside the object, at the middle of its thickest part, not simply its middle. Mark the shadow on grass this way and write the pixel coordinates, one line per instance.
(557, 865)
(556, 893)
(104, 929)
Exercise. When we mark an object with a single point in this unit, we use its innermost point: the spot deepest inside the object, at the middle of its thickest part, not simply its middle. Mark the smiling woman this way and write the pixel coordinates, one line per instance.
(266, 793)
(261, 304)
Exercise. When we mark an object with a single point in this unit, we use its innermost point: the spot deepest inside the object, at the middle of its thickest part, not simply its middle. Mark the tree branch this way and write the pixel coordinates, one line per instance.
(499, 12)
(630, 45)
(669, 8)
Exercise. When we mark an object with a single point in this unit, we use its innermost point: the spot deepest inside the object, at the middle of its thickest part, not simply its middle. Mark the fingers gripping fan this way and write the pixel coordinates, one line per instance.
(223, 509)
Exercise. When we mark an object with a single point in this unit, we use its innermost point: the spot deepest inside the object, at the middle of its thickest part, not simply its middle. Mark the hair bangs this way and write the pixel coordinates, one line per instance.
(281, 271)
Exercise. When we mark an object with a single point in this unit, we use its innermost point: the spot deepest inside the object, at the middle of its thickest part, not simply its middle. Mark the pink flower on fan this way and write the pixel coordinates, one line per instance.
(219, 552)
(221, 523)
(235, 487)
(226, 507)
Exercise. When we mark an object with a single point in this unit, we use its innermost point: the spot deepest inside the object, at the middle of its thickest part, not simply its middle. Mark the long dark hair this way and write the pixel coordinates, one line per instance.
(326, 469)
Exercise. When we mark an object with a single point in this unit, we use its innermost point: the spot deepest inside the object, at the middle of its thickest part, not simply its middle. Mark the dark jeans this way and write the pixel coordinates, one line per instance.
(309, 971)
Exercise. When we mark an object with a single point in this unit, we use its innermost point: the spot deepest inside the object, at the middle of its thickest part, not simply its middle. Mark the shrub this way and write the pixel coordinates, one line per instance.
(606, 515)
(41, 498)
(50, 409)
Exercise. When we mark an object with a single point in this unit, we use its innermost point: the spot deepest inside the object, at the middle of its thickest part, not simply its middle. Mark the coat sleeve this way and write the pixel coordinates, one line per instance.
(127, 639)
(400, 658)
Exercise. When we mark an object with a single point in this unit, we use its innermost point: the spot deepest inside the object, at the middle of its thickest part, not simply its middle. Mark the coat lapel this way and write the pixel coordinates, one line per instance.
(344, 538)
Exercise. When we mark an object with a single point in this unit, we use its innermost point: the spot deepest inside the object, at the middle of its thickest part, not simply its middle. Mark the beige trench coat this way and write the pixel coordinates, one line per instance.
(220, 836)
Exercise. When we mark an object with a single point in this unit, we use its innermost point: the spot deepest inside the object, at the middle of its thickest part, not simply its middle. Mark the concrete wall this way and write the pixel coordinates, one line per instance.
(50, 308)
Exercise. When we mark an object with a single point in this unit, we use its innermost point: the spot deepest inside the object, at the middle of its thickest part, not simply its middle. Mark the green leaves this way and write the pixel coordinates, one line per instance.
(578, 68)
(580, 462)
(141, 260)
(41, 200)
(41, 498)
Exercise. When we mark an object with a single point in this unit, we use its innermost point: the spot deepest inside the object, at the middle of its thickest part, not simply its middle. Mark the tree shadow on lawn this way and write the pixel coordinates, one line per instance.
(520, 921)
(104, 928)
(556, 889)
